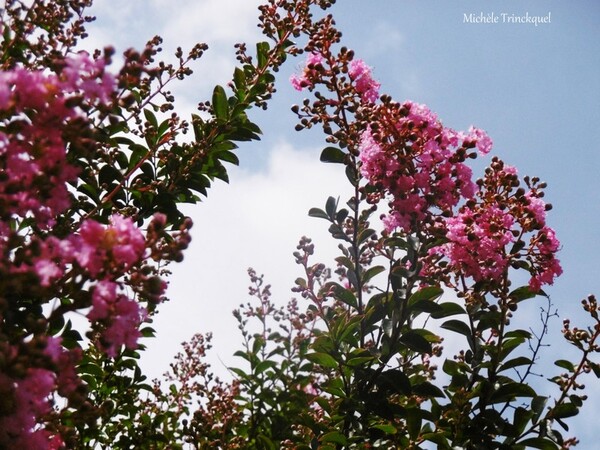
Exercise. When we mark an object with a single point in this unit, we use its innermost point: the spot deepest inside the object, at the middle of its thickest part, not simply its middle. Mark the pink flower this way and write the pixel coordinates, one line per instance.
(537, 207)
(96, 243)
(309, 73)
(365, 85)
(129, 244)
(30, 402)
(414, 162)
(477, 242)
(88, 75)
(482, 141)
(122, 317)
(47, 271)
(103, 298)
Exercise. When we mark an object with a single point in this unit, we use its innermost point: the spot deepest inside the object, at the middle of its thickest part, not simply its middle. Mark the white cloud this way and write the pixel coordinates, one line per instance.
(255, 221)
(219, 23)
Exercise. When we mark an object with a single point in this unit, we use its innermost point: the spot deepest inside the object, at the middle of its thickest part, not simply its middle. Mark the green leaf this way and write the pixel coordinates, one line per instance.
(565, 364)
(319, 213)
(330, 207)
(414, 341)
(151, 118)
(515, 362)
(264, 365)
(262, 54)
(457, 326)
(334, 437)
(239, 78)
(332, 155)
(522, 293)
(394, 381)
(346, 296)
(219, 103)
(427, 389)
(323, 360)
(372, 272)
(267, 443)
(509, 391)
(537, 406)
(109, 174)
(430, 293)
(414, 418)
(564, 410)
(521, 419)
(387, 429)
(448, 309)
(595, 367)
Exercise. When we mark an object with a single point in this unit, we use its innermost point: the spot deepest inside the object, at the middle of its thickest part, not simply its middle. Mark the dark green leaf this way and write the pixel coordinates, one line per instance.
(515, 362)
(564, 410)
(316, 212)
(346, 296)
(430, 293)
(323, 360)
(266, 442)
(595, 367)
(414, 341)
(387, 429)
(427, 389)
(458, 327)
(448, 309)
(565, 364)
(394, 381)
(332, 155)
(371, 272)
(262, 54)
(151, 118)
(522, 293)
(264, 365)
(509, 391)
(334, 437)
(537, 406)
(219, 103)
(330, 207)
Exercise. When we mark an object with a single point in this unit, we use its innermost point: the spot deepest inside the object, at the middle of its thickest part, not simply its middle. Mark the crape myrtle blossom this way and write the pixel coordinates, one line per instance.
(309, 73)
(477, 241)
(360, 76)
(29, 396)
(409, 158)
(42, 114)
(365, 85)
(503, 226)
(36, 107)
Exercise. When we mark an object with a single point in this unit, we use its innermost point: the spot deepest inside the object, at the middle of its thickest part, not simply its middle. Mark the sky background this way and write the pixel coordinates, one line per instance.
(535, 90)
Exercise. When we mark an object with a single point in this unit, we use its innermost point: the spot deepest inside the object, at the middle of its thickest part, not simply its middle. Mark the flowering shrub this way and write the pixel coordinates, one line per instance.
(94, 168)
(439, 266)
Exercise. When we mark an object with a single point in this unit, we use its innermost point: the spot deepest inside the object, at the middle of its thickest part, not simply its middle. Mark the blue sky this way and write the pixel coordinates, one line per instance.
(536, 90)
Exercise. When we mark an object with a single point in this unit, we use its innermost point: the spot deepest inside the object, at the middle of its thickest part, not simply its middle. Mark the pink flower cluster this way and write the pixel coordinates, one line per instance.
(477, 241)
(489, 234)
(365, 85)
(415, 162)
(36, 107)
(359, 72)
(29, 397)
(41, 114)
(104, 253)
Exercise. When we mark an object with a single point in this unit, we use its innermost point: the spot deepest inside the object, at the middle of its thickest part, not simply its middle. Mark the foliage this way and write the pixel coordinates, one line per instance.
(365, 354)
(95, 166)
